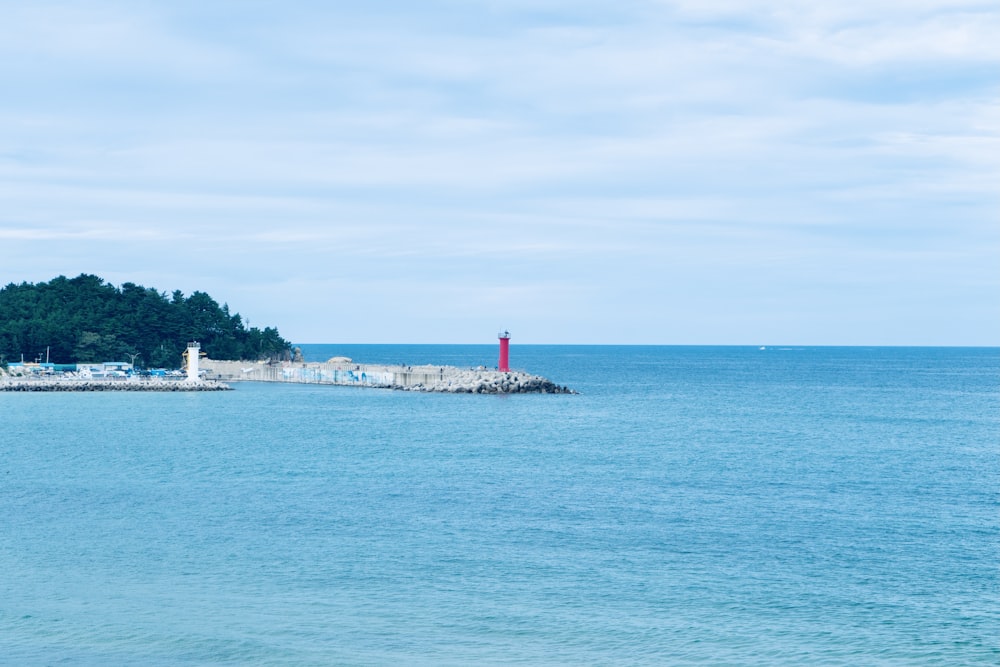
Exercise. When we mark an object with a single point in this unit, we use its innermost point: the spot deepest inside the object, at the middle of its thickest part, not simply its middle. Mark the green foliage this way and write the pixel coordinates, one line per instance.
(85, 319)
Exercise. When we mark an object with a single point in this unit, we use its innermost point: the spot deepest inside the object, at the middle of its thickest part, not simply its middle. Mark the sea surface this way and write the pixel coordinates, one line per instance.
(691, 506)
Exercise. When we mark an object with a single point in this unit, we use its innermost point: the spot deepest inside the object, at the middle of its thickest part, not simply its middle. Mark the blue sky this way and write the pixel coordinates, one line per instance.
(638, 171)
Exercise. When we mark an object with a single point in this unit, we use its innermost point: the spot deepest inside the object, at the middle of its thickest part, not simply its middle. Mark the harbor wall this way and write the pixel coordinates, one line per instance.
(318, 373)
(69, 384)
(410, 378)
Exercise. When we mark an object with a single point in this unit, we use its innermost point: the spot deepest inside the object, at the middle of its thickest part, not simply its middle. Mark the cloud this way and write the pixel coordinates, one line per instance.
(105, 41)
(601, 156)
(84, 230)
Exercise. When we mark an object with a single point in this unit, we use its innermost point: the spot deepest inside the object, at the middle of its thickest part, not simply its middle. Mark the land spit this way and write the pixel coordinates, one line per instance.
(130, 384)
(441, 379)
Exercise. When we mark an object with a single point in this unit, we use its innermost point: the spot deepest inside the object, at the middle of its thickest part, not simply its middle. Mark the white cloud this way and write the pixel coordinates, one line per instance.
(601, 156)
(85, 230)
(105, 40)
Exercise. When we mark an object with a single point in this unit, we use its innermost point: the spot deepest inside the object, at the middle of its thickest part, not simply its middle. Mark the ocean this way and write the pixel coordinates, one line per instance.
(691, 506)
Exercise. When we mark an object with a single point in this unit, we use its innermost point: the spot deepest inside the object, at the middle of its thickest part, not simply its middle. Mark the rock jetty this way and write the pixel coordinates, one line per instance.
(488, 382)
(63, 384)
(344, 372)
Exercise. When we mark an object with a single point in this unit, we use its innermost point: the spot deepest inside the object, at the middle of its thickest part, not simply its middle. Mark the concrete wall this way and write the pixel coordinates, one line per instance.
(369, 375)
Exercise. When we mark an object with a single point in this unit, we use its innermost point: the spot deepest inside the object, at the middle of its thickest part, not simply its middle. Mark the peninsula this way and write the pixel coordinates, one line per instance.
(60, 335)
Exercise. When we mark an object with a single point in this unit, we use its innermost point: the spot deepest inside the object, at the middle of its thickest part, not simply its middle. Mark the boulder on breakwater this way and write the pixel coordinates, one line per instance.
(488, 382)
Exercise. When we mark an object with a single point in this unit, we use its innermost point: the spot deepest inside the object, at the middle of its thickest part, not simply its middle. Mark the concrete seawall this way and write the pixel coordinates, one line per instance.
(444, 379)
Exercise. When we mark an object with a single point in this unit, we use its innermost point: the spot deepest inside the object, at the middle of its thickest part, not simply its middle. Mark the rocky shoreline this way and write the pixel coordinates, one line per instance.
(66, 385)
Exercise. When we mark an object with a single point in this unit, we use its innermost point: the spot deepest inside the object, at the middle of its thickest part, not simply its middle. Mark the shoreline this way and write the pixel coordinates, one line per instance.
(79, 384)
(217, 375)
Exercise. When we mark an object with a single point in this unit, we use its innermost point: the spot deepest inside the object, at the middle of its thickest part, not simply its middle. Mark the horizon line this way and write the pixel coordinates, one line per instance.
(751, 345)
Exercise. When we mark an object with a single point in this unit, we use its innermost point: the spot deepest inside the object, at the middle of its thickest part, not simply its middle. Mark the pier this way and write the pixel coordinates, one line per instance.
(441, 379)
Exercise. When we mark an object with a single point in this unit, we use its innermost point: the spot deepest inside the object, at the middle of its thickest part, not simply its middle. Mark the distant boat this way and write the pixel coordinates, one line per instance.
(762, 347)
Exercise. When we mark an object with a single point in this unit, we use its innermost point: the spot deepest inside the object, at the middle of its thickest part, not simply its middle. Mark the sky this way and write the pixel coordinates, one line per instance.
(632, 172)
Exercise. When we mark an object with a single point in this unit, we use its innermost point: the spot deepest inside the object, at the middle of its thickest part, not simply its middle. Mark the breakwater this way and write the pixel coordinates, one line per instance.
(131, 384)
(441, 379)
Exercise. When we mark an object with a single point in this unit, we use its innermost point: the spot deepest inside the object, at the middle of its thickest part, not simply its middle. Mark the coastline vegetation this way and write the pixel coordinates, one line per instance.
(85, 319)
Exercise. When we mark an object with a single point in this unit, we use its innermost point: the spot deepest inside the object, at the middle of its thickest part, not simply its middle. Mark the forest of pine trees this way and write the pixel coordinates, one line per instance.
(84, 319)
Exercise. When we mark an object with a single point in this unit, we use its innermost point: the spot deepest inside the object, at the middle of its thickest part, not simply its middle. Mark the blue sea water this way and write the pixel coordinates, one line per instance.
(692, 506)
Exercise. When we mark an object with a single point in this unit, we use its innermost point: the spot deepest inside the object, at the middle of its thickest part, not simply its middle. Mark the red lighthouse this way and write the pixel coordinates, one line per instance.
(504, 365)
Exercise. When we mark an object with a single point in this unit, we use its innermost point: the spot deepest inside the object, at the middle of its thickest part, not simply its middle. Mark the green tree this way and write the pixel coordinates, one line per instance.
(86, 319)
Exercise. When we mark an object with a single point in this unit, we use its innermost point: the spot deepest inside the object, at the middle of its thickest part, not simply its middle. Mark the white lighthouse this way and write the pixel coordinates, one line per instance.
(193, 352)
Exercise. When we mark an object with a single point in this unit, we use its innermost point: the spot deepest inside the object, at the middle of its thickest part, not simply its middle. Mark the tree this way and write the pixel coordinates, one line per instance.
(86, 319)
